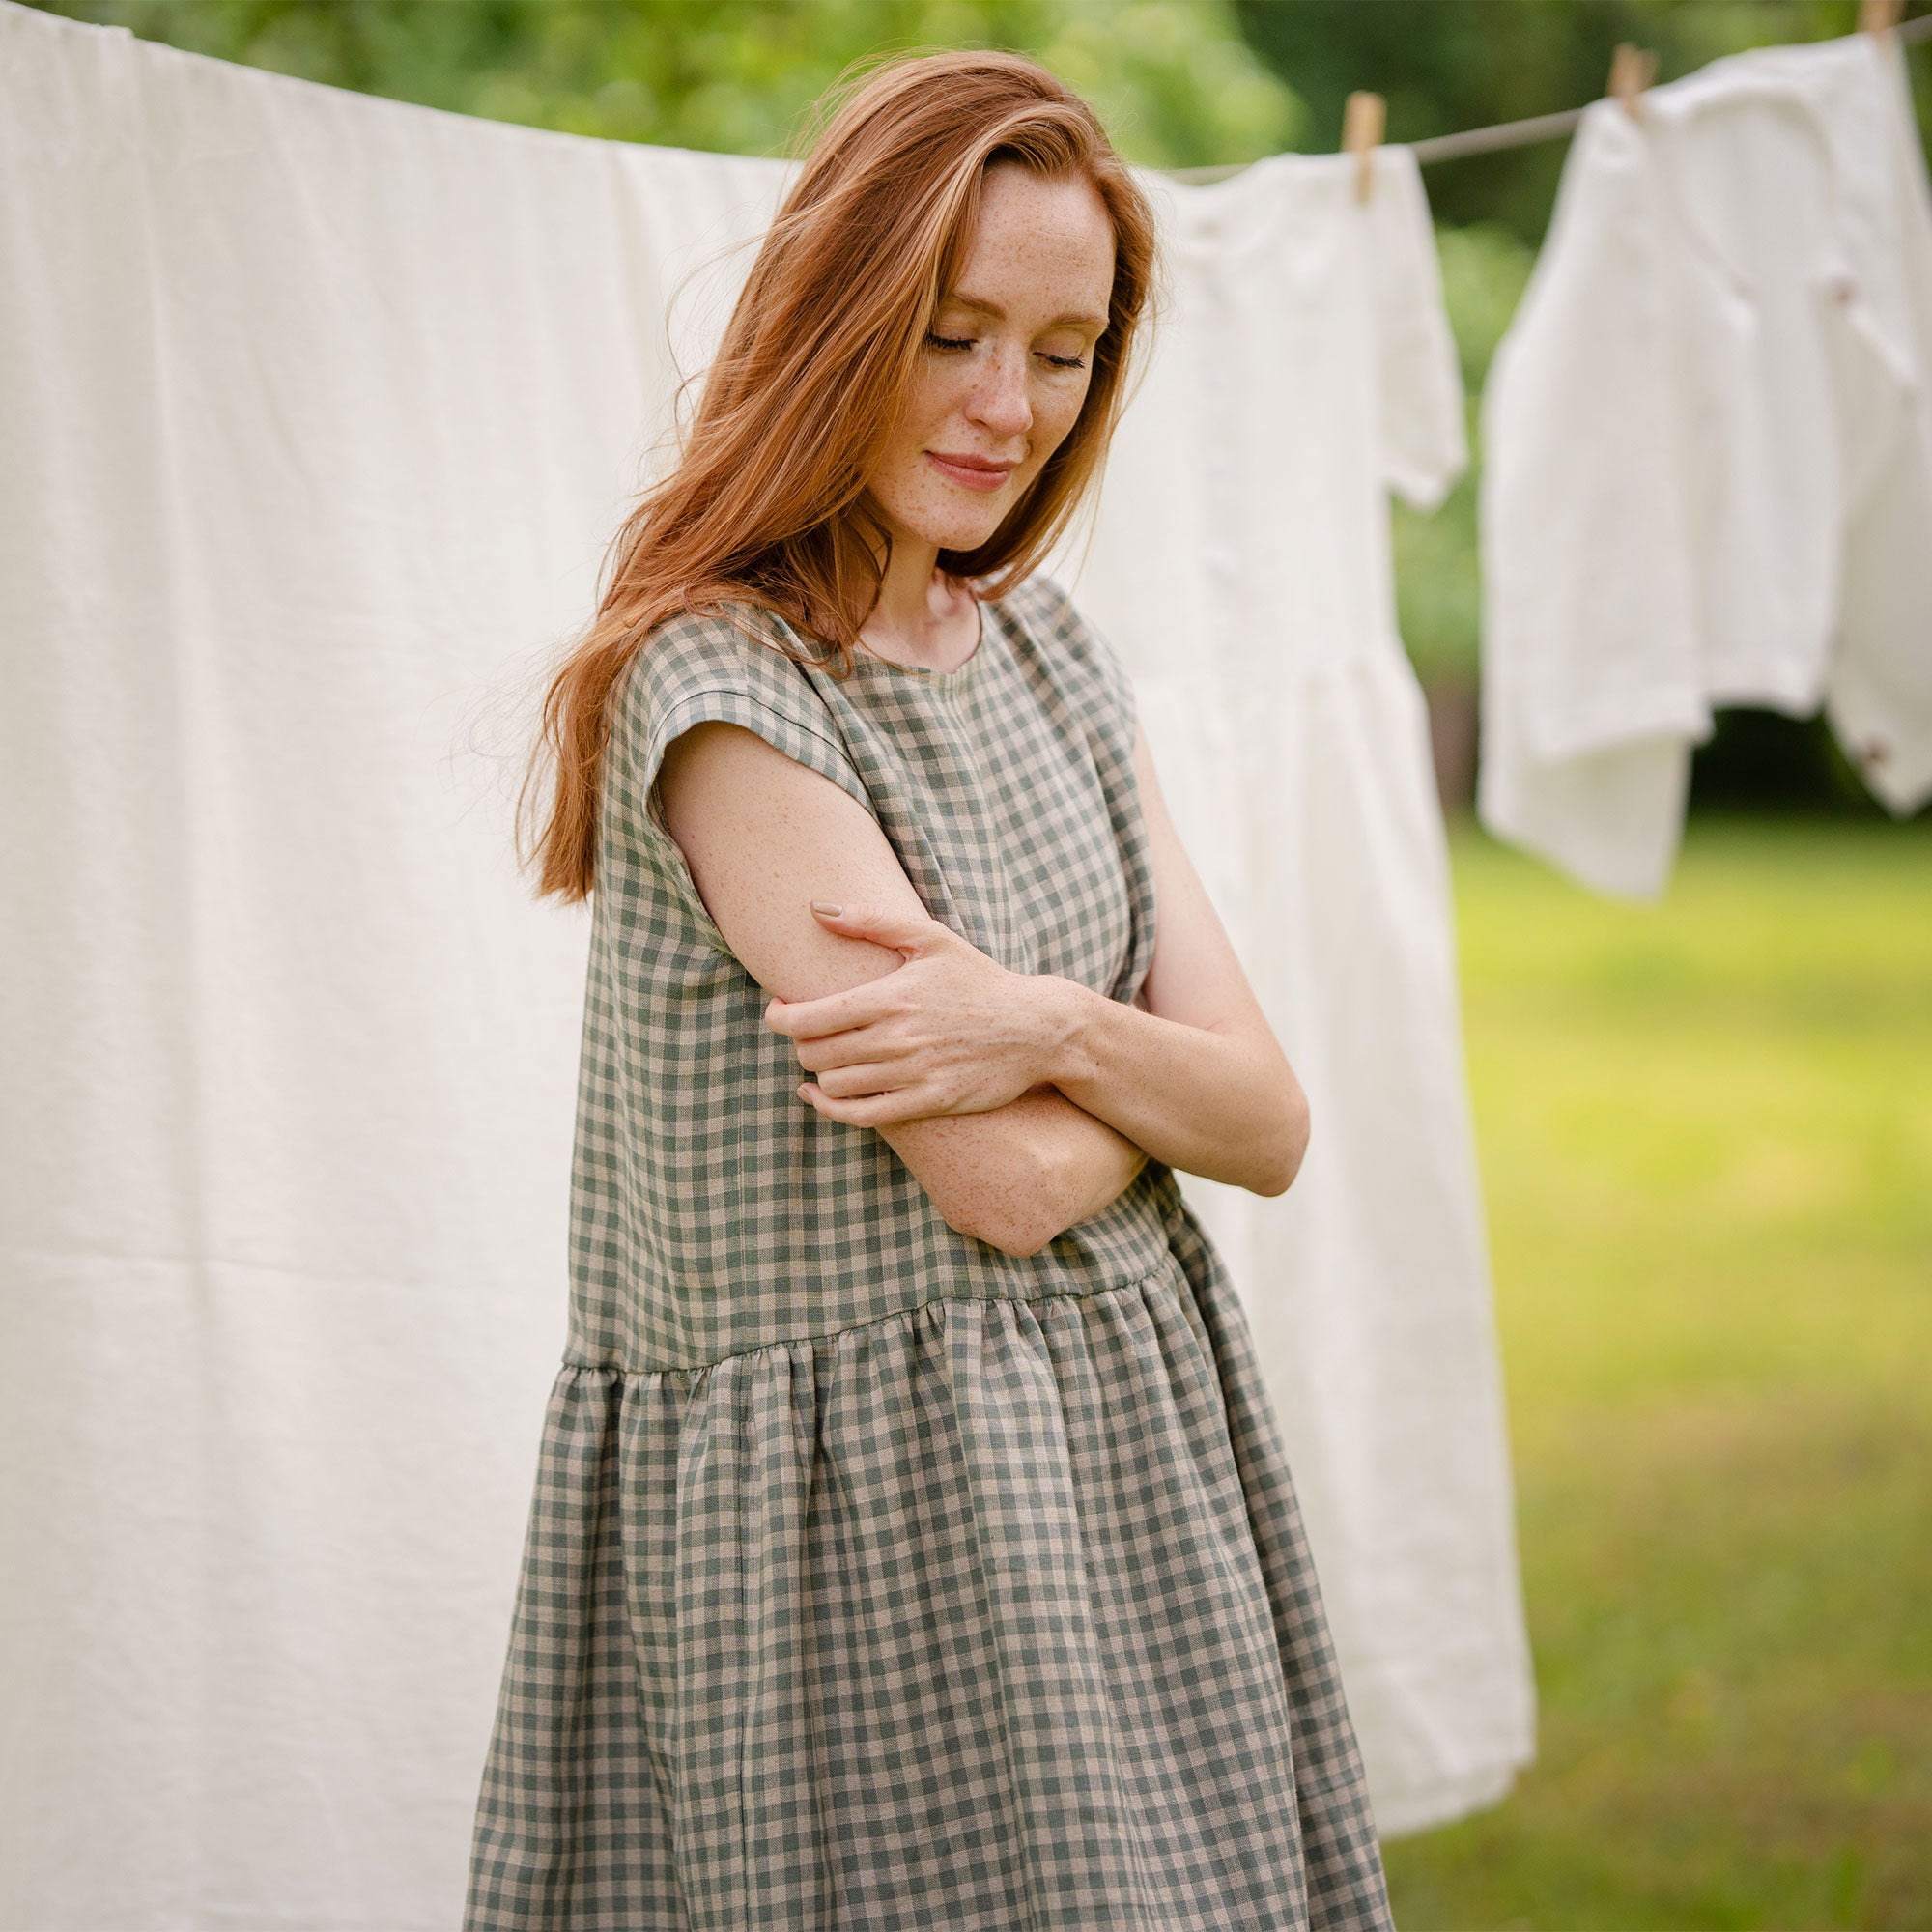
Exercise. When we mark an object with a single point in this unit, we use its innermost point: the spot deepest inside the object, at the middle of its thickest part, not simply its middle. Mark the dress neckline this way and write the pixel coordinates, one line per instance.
(938, 680)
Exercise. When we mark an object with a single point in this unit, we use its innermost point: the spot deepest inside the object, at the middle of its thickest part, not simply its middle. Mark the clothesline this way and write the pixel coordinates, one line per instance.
(1505, 133)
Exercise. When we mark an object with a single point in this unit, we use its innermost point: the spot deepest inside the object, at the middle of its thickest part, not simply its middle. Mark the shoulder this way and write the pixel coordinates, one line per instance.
(1043, 606)
(740, 662)
(740, 647)
(1067, 637)
(736, 666)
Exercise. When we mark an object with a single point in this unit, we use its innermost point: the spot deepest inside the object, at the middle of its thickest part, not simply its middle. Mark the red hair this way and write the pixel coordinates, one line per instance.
(764, 506)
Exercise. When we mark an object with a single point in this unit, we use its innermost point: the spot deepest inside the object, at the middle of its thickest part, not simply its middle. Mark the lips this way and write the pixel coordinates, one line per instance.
(972, 472)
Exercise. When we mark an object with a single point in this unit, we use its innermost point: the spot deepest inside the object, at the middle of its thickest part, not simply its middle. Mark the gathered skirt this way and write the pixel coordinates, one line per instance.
(997, 1613)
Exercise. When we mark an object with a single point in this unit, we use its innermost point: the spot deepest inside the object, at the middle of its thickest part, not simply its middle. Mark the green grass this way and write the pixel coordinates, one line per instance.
(1706, 1135)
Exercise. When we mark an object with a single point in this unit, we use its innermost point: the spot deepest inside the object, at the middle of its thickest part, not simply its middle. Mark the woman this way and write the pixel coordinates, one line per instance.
(912, 1542)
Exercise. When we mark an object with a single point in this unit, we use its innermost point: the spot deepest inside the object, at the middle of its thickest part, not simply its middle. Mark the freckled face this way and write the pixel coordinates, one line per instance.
(1006, 365)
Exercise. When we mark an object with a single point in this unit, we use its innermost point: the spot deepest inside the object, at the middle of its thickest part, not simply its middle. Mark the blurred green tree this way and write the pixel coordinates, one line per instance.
(1177, 82)
(1447, 65)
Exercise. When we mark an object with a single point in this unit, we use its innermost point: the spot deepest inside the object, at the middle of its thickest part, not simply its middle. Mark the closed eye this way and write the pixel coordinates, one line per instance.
(935, 340)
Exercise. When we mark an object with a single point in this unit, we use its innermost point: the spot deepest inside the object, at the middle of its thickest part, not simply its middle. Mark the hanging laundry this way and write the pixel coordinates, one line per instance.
(320, 409)
(318, 412)
(1708, 454)
(1241, 564)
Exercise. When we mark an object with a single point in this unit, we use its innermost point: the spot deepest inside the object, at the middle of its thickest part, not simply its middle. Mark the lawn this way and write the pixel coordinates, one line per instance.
(1706, 1135)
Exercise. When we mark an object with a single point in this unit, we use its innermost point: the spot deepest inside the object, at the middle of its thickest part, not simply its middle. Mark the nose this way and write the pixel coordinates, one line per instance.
(999, 403)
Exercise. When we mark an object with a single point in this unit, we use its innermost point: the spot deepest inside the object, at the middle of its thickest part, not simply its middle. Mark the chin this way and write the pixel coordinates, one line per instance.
(952, 527)
(963, 542)
(962, 533)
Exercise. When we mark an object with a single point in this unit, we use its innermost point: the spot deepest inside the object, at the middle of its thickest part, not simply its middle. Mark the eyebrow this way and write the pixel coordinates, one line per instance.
(961, 299)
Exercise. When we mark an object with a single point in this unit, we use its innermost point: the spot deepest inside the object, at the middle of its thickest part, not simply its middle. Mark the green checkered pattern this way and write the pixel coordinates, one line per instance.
(875, 1579)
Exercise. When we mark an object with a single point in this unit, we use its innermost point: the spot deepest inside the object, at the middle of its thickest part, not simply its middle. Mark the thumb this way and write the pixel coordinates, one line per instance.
(907, 932)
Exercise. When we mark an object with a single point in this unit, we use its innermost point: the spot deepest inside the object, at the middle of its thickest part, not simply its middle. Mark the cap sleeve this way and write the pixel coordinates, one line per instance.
(689, 670)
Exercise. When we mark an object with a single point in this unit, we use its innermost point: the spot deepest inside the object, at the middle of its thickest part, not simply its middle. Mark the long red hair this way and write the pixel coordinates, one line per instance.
(764, 503)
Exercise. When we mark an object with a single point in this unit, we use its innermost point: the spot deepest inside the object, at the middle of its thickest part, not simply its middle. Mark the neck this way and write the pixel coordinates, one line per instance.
(911, 606)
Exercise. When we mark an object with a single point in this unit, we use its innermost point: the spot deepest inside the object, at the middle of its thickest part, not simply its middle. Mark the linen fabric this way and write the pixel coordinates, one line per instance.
(1708, 454)
(874, 1576)
(1241, 565)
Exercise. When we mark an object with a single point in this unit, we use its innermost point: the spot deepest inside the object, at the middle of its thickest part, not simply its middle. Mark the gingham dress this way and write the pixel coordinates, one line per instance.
(876, 1578)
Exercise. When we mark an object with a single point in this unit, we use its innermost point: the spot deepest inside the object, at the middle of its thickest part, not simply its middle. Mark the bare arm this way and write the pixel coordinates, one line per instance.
(763, 837)
(1192, 1074)
(1199, 1079)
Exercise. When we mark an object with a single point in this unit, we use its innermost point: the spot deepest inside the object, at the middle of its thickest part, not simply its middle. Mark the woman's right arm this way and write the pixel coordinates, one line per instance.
(762, 837)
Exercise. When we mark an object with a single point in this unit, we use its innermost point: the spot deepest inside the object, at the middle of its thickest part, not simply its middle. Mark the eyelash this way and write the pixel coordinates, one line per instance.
(966, 342)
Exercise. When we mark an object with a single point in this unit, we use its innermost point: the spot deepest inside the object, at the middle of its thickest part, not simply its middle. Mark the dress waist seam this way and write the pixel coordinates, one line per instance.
(1167, 1270)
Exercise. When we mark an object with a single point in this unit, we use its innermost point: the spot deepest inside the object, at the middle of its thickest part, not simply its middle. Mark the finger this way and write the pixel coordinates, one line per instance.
(832, 1012)
(906, 931)
(853, 1083)
(846, 1050)
(878, 1110)
(821, 1060)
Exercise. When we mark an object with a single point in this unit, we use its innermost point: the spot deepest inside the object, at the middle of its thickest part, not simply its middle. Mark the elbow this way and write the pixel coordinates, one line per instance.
(1020, 1239)
(1015, 1227)
(1292, 1146)
(1021, 1216)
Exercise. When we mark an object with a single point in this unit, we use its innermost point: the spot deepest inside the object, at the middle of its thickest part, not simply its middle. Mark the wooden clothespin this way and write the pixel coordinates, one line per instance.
(1879, 16)
(1632, 70)
(1364, 116)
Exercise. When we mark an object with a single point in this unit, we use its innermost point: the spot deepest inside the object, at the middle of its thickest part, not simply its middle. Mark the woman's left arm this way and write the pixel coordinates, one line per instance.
(1192, 1076)
(1198, 1080)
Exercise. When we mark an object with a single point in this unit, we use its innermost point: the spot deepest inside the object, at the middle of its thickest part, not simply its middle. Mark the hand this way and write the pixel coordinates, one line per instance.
(947, 1032)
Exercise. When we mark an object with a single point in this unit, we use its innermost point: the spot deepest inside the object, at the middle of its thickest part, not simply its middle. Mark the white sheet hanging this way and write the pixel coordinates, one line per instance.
(319, 411)
(1708, 454)
(1240, 563)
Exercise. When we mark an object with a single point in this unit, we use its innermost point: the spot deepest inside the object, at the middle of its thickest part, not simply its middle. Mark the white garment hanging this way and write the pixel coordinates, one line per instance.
(1241, 564)
(318, 412)
(1708, 454)
(320, 409)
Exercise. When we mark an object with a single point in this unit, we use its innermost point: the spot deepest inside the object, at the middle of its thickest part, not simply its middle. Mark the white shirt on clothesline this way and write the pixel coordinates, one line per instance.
(1708, 454)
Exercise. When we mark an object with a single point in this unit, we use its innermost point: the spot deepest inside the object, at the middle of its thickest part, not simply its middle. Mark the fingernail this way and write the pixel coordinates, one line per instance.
(826, 905)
